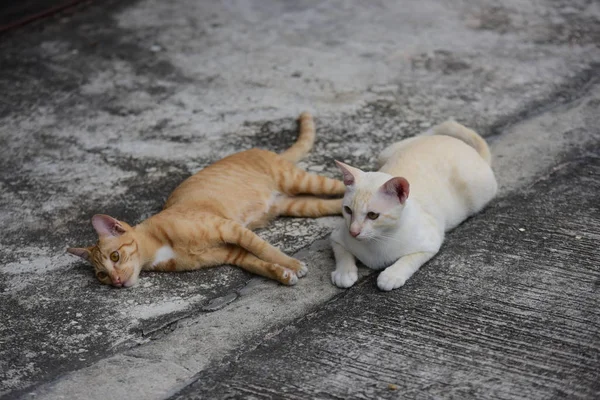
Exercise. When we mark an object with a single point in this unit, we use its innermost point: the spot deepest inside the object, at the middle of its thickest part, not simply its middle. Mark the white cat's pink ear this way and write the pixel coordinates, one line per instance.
(398, 187)
(350, 173)
(106, 225)
(80, 252)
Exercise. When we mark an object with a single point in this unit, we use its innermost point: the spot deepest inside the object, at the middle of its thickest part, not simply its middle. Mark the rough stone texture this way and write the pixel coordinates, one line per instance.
(108, 109)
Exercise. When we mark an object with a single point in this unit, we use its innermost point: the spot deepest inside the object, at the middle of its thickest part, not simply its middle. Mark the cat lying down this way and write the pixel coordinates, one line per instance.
(208, 219)
(395, 218)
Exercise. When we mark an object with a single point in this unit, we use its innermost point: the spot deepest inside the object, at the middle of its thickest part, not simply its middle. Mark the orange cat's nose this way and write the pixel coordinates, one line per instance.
(116, 281)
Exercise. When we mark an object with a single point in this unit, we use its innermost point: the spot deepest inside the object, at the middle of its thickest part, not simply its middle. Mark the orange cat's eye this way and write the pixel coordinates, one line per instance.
(101, 275)
(114, 256)
(348, 210)
(372, 215)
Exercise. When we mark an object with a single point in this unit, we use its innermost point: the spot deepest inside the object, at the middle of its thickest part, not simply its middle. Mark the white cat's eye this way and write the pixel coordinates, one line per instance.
(372, 215)
(348, 210)
(101, 275)
(114, 256)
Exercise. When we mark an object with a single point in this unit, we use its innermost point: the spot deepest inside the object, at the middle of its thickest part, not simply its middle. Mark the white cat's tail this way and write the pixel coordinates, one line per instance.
(469, 136)
(305, 141)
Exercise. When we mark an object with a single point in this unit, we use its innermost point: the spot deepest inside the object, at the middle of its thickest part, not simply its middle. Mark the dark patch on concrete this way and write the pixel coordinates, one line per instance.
(490, 18)
(50, 61)
(563, 22)
(578, 30)
(563, 94)
(12, 12)
(572, 24)
(499, 313)
(439, 60)
(146, 194)
(282, 133)
(220, 302)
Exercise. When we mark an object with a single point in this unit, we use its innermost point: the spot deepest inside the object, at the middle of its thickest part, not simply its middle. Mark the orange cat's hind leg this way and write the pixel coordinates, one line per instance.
(295, 181)
(233, 233)
(248, 261)
(308, 207)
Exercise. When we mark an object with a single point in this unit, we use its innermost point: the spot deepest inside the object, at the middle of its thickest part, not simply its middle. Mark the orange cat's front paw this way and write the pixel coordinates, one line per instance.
(288, 277)
(299, 267)
(302, 271)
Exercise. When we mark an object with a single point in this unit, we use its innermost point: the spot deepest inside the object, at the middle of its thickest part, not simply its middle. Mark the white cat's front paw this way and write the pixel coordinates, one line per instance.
(388, 280)
(344, 279)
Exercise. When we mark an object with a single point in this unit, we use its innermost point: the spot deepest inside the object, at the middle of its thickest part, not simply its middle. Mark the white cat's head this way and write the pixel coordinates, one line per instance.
(373, 202)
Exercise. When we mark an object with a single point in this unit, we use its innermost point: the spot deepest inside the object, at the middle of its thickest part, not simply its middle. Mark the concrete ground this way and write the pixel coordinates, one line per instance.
(105, 109)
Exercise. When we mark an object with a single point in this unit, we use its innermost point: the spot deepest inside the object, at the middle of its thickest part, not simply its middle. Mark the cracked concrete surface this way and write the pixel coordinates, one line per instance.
(108, 109)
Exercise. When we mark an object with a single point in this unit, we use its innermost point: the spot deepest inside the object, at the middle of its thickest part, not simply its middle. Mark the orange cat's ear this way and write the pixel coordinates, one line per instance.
(107, 226)
(350, 173)
(82, 252)
(397, 187)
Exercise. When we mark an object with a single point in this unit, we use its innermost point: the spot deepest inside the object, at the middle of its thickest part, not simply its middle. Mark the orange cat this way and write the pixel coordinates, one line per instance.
(207, 220)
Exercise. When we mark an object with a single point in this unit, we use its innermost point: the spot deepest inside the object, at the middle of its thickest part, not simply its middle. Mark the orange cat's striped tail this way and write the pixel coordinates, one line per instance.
(305, 141)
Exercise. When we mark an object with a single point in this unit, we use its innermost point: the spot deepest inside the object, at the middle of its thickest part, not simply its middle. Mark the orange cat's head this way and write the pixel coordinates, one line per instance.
(115, 257)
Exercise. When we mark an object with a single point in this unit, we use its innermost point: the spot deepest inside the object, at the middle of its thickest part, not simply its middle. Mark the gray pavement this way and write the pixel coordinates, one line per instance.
(502, 312)
(108, 109)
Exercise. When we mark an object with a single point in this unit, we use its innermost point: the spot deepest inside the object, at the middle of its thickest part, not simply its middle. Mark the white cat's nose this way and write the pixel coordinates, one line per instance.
(354, 233)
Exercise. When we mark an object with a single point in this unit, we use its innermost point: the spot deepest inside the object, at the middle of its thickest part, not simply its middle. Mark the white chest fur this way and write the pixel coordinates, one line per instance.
(418, 232)
(163, 254)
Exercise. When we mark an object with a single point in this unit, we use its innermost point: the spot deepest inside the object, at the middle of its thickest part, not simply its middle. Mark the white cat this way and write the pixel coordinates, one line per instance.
(395, 219)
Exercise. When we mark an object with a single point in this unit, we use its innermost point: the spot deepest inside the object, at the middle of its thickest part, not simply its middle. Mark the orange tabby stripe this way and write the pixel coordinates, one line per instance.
(230, 253)
(239, 256)
(165, 235)
(134, 251)
(128, 244)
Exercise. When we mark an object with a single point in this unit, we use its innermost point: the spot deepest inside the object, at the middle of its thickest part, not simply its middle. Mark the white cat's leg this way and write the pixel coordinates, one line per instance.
(399, 272)
(346, 273)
